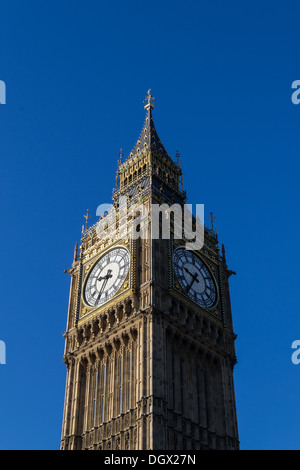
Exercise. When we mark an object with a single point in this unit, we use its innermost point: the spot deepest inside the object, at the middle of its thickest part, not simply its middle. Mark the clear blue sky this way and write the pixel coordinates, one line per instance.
(76, 75)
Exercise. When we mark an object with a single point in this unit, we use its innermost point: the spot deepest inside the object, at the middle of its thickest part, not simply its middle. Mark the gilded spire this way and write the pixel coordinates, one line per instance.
(149, 139)
(148, 161)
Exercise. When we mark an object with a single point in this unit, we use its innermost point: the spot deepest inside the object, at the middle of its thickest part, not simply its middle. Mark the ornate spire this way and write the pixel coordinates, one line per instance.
(149, 139)
(148, 162)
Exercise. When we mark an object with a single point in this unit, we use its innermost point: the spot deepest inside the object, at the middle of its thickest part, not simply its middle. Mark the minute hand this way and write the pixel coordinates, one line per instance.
(105, 279)
(102, 289)
(187, 271)
(194, 278)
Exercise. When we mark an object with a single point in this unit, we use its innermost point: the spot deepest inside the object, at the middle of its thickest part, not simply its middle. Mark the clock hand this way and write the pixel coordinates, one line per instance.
(193, 280)
(187, 271)
(194, 276)
(105, 279)
(101, 290)
(107, 276)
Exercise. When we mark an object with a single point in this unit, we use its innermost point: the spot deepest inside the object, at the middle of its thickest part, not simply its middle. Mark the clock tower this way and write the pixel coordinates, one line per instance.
(149, 342)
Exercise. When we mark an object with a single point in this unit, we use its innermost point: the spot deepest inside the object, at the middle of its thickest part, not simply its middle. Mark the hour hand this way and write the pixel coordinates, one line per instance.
(107, 276)
(194, 276)
(187, 271)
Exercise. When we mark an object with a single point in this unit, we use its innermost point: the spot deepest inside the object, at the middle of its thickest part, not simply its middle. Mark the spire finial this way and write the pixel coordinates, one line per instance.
(223, 253)
(212, 221)
(121, 155)
(87, 217)
(178, 158)
(149, 99)
(75, 252)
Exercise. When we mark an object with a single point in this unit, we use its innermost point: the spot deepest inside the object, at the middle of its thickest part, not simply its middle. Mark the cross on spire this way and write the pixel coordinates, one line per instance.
(148, 139)
(149, 99)
(211, 218)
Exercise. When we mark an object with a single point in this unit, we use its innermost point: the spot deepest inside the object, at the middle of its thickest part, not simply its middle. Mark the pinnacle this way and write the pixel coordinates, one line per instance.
(149, 138)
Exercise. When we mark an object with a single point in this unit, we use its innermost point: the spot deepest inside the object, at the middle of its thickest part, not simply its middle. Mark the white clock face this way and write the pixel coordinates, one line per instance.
(106, 277)
(194, 277)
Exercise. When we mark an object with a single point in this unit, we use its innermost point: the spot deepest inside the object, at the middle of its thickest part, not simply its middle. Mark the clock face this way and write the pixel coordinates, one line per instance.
(194, 277)
(106, 277)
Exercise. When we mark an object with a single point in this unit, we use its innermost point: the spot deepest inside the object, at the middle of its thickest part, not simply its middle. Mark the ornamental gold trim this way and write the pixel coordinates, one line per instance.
(98, 311)
(125, 289)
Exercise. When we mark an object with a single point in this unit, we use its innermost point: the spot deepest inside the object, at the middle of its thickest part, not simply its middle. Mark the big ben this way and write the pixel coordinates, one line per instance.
(149, 342)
